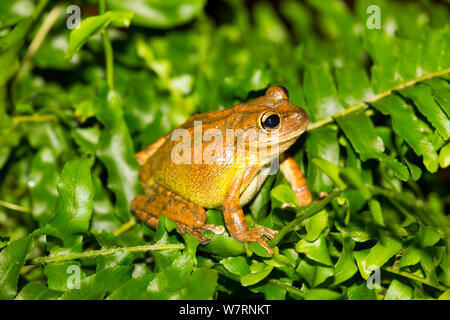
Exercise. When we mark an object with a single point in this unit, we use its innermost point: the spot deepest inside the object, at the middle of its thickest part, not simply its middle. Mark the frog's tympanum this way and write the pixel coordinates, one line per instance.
(219, 159)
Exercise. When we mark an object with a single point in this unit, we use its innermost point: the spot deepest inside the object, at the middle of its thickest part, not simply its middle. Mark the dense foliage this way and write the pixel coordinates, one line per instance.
(75, 106)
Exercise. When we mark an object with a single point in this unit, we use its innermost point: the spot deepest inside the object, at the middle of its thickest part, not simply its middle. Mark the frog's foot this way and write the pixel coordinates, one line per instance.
(198, 232)
(322, 195)
(256, 234)
(214, 228)
(159, 201)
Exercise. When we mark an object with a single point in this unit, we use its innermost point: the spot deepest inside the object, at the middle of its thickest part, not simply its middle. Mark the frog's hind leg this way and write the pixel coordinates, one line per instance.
(296, 179)
(188, 216)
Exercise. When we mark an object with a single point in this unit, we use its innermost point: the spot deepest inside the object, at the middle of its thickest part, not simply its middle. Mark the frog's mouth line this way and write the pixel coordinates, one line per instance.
(291, 137)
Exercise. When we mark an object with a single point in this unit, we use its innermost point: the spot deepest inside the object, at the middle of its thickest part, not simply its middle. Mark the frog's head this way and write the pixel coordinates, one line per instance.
(277, 121)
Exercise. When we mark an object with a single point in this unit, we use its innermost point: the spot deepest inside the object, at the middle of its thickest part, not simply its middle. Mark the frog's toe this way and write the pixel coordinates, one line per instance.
(214, 228)
(269, 233)
(196, 233)
(256, 234)
(264, 244)
(322, 195)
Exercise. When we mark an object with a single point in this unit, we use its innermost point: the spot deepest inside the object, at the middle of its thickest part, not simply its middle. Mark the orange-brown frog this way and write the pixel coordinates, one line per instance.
(219, 159)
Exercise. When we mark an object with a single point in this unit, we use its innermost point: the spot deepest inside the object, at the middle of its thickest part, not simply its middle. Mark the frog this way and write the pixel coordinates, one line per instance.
(231, 177)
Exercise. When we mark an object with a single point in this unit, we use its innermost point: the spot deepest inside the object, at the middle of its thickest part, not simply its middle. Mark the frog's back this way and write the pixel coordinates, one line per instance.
(189, 176)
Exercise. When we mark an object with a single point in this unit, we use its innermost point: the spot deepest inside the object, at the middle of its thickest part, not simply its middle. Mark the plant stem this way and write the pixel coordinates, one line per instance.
(109, 56)
(307, 213)
(126, 226)
(34, 118)
(38, 40)
(14, 207)
(104, 252)
(289, 288)
(416, 278)
(364, 104)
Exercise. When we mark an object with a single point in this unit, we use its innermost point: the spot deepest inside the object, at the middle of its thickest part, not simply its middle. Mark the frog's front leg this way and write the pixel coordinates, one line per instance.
(294, 175)
(188, 216)
(234, 215)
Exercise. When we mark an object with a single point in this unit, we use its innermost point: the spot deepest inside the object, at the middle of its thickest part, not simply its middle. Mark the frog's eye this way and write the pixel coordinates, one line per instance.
(270, 121)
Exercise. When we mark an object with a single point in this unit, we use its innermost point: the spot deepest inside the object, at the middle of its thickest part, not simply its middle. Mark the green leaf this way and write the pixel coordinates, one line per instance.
(95, 287)
(361, 257)
(87, 139)
(13, 38)
(34, 291)
(425, 103)
(173, 284)
(441, 92)
(93, 25)
(10, 63)
(445, 295)
(444, 156)
(58, 274)
(285, 195)
(316, 250)
(361, 292)
(12, 258)
(436, 53)
(133, 289)
(255, 277)
(52, 136)
(398, 291)
(360, 131)
(406, 124)
(314, 273)
(353, 84)
(385, 69)
(258, 207)
(202, 285)
(331, 170)
(320, 93)
(385, 248)
(258, 249)
(322, 143)
(268, 23)
(421, 250)
(115, 150)
(75, 204)
(224, 246)
(155, 14)
(322, 294)
(303, 213)
(10, 15)
(236, 265)
(315, 225)
(375, 209)
(50, 54)
(270, 290)
(42, 183)
(345, 267)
